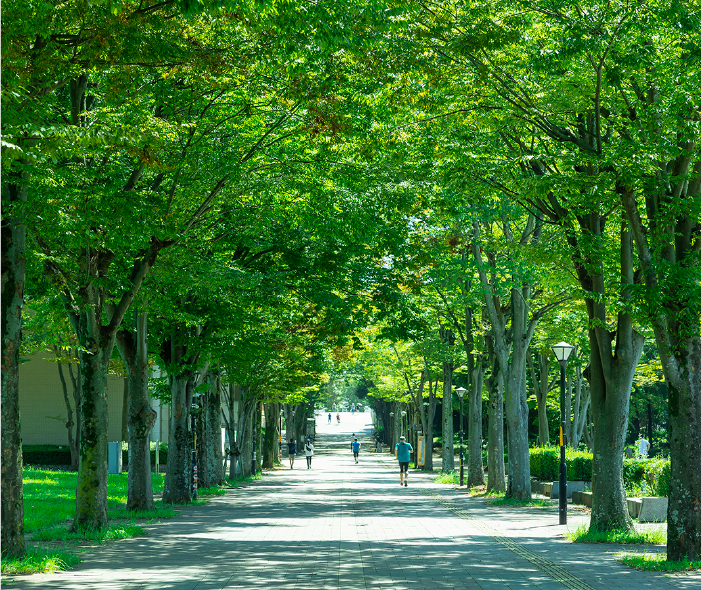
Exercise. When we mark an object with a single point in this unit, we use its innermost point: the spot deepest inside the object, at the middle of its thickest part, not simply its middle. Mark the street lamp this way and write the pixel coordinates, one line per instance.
(461, 392)
(562, 352)
(403, 428)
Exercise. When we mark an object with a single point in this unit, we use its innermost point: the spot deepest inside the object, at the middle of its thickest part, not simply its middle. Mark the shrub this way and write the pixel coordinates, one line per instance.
(654, 472)
(46, 455)
(544, 463)
(545, 466)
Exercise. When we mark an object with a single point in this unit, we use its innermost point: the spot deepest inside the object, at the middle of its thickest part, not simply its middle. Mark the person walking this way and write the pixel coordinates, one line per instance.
(291, 452)
(403, 450)
(338, 418)
(329, 417)
(309, 452)
(355, 445)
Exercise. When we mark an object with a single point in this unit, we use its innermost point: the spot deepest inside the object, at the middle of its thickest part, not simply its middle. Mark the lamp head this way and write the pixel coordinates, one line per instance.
(403, 413)
(460, 391)
(391, 414)
(562, 351)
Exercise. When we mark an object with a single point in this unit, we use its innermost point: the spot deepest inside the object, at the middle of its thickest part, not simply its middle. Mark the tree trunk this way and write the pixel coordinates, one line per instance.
(496, 477)
(214, 433)
(178, 480)
(140, 416)
(541, 386)
(427, 415)
(581, 408)
(125, 410)
(684, 509)
(448, 451)
(13, 279)
(271, 440)
(70, 424)
(610, 400)
(671, 272)
(75, 379)
(91, 493)
(258, 440)
(230, 394)
(611, 379)
(475, 468)
(519, 483)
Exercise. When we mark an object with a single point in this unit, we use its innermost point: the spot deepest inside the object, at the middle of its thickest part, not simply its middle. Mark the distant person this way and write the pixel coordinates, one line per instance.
(378, 445)
(338, 418)
(291, 452)
(329, 417)
(353, 412)
(309, 452)
(355, 445)
(643, 447)
(403, 450)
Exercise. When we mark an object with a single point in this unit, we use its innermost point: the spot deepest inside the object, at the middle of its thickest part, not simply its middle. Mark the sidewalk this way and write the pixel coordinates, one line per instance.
(347, 526)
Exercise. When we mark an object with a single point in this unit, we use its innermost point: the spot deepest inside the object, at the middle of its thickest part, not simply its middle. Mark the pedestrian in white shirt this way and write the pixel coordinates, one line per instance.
(309, 452)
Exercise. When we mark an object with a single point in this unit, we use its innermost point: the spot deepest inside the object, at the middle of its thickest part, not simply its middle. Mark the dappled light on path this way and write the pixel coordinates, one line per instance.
(346, 526)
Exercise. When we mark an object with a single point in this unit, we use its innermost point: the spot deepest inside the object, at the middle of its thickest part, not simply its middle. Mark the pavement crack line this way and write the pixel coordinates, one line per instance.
(556, 572)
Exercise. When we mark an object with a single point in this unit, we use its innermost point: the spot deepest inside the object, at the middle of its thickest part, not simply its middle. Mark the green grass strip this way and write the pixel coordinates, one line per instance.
(656, 562)
(114, 531)
(213, 491)
(448, 478)
(582, 534)
(49, 496)
(39, 561)
(543, 504)
(160, 511)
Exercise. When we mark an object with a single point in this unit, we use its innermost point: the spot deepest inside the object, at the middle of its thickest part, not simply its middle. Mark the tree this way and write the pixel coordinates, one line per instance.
(141, 417)
(14, 193)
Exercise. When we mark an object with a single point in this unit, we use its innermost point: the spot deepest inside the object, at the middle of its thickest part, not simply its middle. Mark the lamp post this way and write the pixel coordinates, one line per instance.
(391, 430)
(562, 352)
(461, 393)
(404, 432)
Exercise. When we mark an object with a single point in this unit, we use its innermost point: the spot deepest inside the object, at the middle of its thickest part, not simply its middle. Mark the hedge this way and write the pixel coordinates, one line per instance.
(46, 455)
(545, 466)
(61, 454)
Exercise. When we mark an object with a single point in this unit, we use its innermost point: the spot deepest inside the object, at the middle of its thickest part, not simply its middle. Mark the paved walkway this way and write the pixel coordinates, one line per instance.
(347, 526)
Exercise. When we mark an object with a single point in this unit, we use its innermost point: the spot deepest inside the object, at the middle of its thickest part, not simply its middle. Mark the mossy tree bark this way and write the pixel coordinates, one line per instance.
(475, 468)
(448, 450)
(668, 252)
(178, 480)
(140, 416)
(272, 414)
(496, 477)
(13, 279)
(212, 451)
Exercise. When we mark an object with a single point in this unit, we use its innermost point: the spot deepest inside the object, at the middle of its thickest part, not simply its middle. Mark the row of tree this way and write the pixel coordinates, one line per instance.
(264, 188)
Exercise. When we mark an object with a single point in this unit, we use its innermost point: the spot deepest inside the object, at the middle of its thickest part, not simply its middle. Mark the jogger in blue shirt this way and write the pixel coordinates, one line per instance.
(403, 450)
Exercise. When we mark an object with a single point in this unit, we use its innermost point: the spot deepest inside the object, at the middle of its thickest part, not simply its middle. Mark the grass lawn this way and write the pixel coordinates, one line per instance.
(656, 562)
(49, 497)
(49, 507)
(582, 534)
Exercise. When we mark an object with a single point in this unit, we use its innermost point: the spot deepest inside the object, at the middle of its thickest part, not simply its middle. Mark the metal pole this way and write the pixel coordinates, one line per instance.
(462, 469)
(563, 442)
